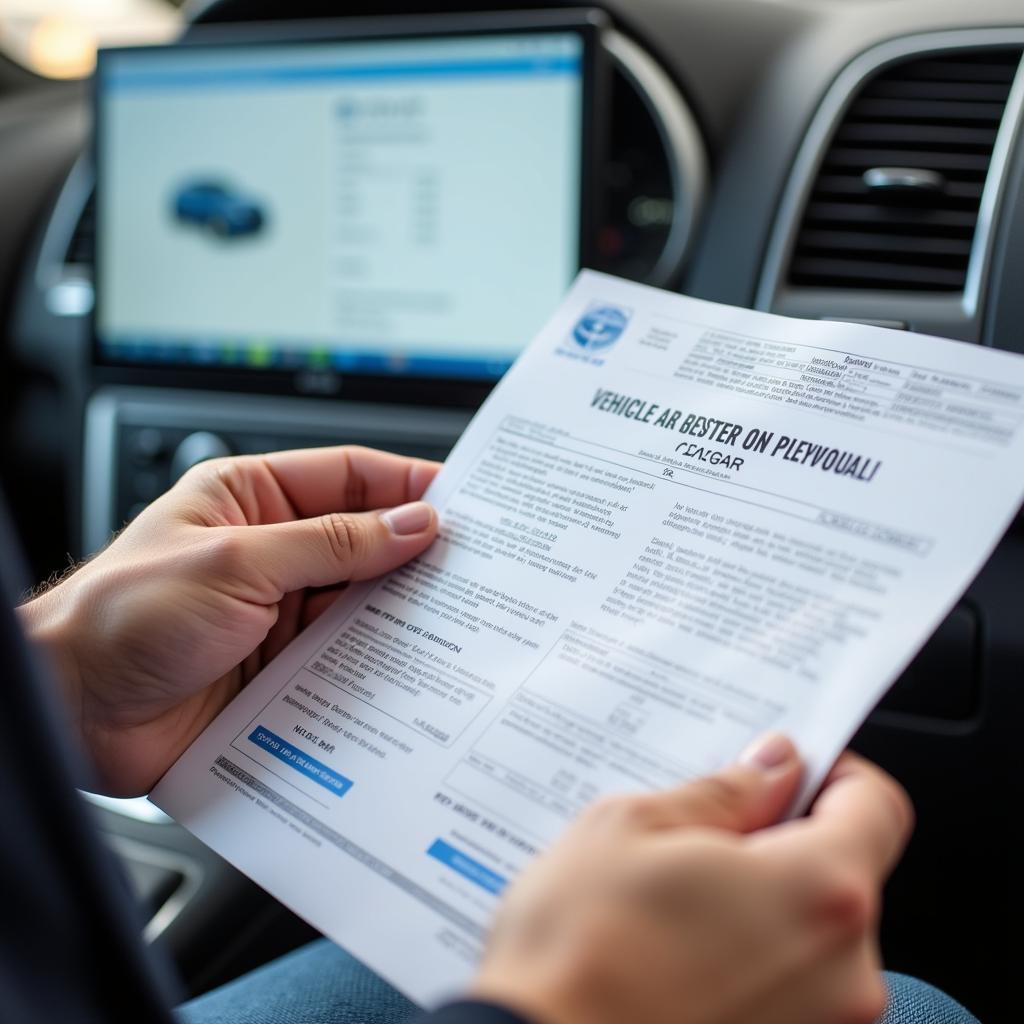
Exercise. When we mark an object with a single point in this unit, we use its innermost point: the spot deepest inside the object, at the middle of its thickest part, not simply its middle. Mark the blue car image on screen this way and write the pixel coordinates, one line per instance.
(219, 208)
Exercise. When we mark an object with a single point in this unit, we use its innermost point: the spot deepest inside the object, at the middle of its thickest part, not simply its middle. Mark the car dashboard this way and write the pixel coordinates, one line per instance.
(828, 159)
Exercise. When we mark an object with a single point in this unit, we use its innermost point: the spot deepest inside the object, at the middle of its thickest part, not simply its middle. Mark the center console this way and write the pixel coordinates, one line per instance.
(139, 440)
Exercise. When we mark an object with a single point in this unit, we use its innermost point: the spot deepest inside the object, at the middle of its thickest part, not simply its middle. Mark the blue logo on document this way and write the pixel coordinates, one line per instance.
(600, 326)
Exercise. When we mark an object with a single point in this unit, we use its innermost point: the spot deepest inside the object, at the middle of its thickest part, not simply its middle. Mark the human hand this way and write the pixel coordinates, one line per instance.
(692, 906)
(158, 632)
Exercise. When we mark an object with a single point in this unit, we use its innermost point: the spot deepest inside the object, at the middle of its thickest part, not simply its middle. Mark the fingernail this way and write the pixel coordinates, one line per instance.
(407, 519)
(768, 752)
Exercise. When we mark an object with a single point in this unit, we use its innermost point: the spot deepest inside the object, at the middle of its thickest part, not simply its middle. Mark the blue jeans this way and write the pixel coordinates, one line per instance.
(320, 984)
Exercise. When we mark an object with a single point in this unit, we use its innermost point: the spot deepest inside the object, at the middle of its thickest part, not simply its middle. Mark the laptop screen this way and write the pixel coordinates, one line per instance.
(382, 206)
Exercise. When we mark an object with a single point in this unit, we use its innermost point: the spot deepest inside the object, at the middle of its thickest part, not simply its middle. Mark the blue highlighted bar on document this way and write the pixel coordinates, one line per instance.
(303, 763)
(467, 867)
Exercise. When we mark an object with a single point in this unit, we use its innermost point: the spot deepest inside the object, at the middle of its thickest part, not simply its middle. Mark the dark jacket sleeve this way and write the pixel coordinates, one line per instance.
(69, 943)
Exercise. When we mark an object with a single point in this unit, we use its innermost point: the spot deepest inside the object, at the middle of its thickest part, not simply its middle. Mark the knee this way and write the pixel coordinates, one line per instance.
(912, 1001)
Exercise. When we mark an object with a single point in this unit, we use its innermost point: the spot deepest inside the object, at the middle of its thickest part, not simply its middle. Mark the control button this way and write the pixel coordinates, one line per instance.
(147, 445)
(196, 448)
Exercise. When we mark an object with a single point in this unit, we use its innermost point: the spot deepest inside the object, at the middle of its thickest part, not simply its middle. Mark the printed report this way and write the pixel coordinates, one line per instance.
(673, 526)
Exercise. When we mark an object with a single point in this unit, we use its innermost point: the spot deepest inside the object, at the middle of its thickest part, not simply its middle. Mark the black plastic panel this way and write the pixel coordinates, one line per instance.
(943, 682)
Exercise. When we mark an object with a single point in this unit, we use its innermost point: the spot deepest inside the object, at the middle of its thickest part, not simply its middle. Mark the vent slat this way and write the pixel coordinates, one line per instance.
(844, 156)
(927, 110)
(886, 243)
(937, 113)
(808, 272)
(959, 192)
(909, 133)
(988, 92)
(981, 66)
(941, 220)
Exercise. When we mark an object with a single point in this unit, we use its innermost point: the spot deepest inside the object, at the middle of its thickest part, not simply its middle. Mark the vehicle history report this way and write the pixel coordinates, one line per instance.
(673, 525)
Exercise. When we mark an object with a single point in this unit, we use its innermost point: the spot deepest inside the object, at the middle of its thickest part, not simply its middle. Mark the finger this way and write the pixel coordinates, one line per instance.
(339, 547)
(865, 812)
(749, 795)
(862, 817)
(317, 481)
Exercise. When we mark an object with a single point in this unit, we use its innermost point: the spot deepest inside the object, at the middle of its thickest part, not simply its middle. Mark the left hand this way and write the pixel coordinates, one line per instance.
(158, 632)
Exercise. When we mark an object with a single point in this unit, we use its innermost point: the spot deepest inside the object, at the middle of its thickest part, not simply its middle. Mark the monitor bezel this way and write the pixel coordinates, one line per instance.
(364, 387)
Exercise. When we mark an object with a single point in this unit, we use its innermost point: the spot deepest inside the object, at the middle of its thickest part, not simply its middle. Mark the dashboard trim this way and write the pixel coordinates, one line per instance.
(169, 860)
(65, 293)
(683, 144)
(992, 194)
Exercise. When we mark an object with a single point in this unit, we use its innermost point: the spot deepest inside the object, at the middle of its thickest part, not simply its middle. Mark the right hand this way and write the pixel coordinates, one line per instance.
(693, 906)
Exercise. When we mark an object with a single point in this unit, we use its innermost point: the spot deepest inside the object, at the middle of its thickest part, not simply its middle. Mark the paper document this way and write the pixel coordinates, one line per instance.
(673, 525)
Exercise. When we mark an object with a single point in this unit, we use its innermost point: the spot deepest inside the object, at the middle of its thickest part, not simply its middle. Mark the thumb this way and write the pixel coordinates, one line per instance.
(340, 546)
(751, 794)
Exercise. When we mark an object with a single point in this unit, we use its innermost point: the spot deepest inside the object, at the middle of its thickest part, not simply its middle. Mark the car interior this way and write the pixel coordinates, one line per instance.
(219, 245)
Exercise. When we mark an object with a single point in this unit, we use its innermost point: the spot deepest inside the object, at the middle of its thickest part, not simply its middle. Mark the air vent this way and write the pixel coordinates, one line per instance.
(81, 250)
(895, 203)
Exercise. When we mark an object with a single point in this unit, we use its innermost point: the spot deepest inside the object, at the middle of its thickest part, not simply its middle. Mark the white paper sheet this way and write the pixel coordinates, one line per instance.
(673, 526)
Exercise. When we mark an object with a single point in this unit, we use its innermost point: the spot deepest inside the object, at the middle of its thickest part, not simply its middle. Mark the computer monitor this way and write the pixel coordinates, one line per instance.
(401, 206)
